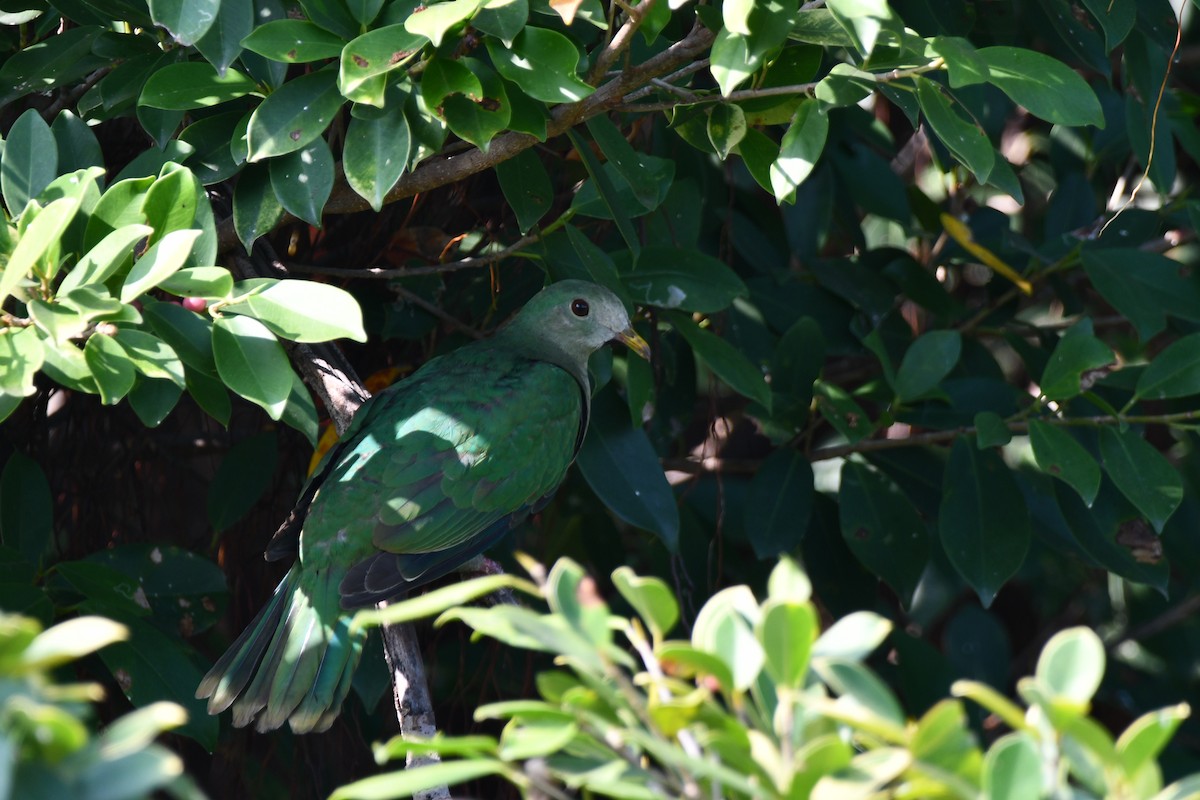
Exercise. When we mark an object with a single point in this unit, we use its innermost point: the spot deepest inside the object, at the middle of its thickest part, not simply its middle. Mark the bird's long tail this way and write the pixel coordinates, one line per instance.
(293, 663)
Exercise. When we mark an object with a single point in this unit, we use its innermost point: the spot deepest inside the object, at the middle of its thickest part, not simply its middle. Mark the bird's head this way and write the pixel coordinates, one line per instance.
(579, 318)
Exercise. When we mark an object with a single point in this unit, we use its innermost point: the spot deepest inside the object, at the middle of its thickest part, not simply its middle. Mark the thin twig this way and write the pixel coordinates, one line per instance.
(449, 319)
(381, 273)
(620, 43)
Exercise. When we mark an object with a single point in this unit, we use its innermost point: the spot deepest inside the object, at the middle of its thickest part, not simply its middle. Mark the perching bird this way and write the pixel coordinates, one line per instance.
(431, 472)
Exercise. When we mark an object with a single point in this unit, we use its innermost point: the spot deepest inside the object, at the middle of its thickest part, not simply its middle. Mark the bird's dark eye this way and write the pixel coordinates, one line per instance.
(579, 307)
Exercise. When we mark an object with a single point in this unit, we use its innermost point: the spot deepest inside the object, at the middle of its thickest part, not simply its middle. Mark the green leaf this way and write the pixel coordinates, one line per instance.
(435, 20)
(882, 528)
(293, 115)
(864, 20)
(842, 412)
(71, 640)
(1046, 87)
(305, 311)
(106, 258)
(294, 41)
(188, 334)
(151, 356)
(1116, 19)
(469, 96)
(991, 430)
(735, 57)
(779, 503)
(1147, 735)
(222, 44)
(243, 477)
(59, 322)
(963, 64)
(725, 628)
(159, 262)
(623, 470)
(1059, 454)
(1073, 365)
(252, 363)
(1175, 372)
(1142, 474)
(119, 206)
(526, 187)
(418, 779)
(1071, 667)
(187, 20)
(376, 153)
(726, 361)
(983, 521)
(365, 11)
(787, 632)
(801, 146)
(110, 366)
(30, 161)
(503, 19)
(152, 400)
(211, 395)
(543, 63)
(193, 84)
(688, 280)
(212, 283)
(928, 360)
(631, 165)
(1012, 769)
(376, 53)
(962, 137)
(26, 507)
(726, 128)
(650, 597)
(303, 180)
(849, 678)
(256, 209)
(45, 230)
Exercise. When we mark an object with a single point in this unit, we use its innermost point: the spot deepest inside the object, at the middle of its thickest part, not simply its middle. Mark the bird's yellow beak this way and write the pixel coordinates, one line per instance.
(637, 344)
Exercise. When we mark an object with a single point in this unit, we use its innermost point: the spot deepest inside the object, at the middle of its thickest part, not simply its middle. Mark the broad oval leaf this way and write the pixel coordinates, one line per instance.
(1071, 666)
(928, 360)
(725, 628)
(256, 209)
(376, 153)
(801, 146)
(726, 361)
(1059, 454)
(1144, 286)
(30, 161)
(1012, 769)
(44, 231)
(983, 522)
(650, 597)
(151, 356)
(252, 363)
(527, 188)
(193, 84)
(187, 20)
(293, 41)
(305, 311)
(779, 503)
(671, 277)
(106, 258)
(293, 115)
(965, 139)
(303, 180)
(166, 256)
(110, 366)
(376, 53)
(1073, 364)
(623, 470)
(1045, 86)
(1175, 372)
(787, 632)
(882, 528)
(1142, 474)
(543, 63)
(434, 20)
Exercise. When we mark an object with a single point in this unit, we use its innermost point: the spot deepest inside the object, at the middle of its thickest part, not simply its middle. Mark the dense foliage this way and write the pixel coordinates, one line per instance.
(917, 277)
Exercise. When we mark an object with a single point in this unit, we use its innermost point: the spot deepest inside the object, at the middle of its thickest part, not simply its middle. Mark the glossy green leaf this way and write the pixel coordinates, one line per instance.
(152, 400)
(983, 522)
(293, 115)
(801, 146)
(26, 507)
(1058, 453)
(725, 628)
(650, 597)
(543, 63)
(22, 354)
(294, 41)
(213, 283)
(963, 64)
(1175, 372)
(928, 360)
(43, 232)
(1115, 17)
(119, 206)
(188, 334)
(1143, 286)
(882, 528)
(503, 19)
(156, 264)
(109, 256)
(376, 53)
(243, 477)
(1078, 359)
(622, 468)
(735, 57)
(469, 96)
(726, 361)
(965, 139)
(787, 632)
(256, 209)
(726, 128)
(779, 503)
(418, 779)
(252, 363)
(688, 280)
(110, 366)
(1142, 474)
(376, 153)
(1012, 769)
(71, 640)
(211, 395)
(44, 65)
(631, 165)
(526, 187)
(193, 84)
(1045, 86)
(1147, 735)
(436, 19)
(305, 311)
(303, 180)
(991, 430)
(30, 161)
(150, 355)
(58, 321)
(187, 20)
(334, 16)
(865, 20)
(172, 201)
(222, 43)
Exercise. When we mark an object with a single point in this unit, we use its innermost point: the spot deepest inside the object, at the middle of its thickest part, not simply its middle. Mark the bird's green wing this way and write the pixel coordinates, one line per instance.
(442, 467)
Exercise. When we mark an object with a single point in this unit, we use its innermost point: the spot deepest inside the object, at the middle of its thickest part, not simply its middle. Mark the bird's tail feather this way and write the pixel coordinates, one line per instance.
(293, 663)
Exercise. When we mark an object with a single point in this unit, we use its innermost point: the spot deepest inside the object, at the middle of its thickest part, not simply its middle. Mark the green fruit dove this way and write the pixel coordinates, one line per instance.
(431, 472)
